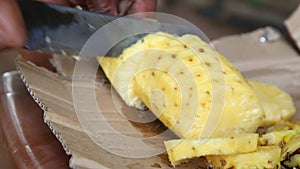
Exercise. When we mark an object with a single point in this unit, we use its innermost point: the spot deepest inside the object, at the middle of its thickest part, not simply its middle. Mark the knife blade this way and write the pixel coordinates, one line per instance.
(60, 29)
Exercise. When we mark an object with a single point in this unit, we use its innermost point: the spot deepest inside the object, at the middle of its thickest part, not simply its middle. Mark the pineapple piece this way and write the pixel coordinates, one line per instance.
(277, 104)
(290, 147)
(280, 133)
(264, 157)
(293, 161)
(192, 89)
(184, 149)
(283, 126)
(277, 137)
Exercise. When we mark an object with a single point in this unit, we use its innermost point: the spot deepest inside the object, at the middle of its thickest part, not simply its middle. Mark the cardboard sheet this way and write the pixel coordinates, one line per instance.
(54, 91)
(273, 62)
(293, 26)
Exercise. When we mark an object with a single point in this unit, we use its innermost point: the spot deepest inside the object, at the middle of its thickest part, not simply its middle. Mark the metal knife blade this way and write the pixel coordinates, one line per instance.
(60, 29)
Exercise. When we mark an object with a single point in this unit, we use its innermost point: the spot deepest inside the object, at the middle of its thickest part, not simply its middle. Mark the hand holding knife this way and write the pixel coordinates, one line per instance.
(12, 26)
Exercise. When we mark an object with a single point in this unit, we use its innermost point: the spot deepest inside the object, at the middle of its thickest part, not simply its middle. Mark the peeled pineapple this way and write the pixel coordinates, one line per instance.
(277, 104)
(203, 99)
(191, 88)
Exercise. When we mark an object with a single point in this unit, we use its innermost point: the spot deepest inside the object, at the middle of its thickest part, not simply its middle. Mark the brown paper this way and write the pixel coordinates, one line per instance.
(273, 62)
(293, 26)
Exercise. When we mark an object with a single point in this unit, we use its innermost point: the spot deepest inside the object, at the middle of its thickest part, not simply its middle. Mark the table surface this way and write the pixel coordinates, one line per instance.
(21, 144)
(7, 59)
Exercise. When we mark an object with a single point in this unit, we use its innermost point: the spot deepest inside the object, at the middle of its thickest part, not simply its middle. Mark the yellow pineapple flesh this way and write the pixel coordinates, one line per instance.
(277, 104)
(184, 149)
(192, 89)
(277, 137)
(293, 161)
(291, 146)
(264, 157)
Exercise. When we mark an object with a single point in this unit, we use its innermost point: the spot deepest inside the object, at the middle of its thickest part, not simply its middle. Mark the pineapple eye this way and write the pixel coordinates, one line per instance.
(201, 50)
(208, 64)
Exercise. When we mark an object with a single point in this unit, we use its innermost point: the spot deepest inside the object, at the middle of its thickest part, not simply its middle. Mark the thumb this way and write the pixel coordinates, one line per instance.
(103, 6)
(127, 7)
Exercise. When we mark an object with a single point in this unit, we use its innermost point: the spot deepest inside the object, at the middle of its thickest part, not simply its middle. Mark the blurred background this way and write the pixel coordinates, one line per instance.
(217, 18)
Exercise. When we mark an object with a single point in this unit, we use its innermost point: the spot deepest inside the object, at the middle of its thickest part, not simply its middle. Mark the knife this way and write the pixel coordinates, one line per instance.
(65, 30)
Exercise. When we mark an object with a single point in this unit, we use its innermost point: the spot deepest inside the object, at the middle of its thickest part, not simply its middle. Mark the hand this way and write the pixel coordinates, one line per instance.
(12, 26)
(116, 7)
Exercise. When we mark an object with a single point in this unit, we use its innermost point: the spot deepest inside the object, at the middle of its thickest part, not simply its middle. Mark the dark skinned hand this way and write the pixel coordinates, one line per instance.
(12, 26)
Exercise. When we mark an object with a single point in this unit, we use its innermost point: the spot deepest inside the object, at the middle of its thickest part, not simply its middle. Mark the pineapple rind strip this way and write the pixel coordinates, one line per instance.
(277, 137)
(183, 149)
(294, 161)
(291, 146)
(264, 157)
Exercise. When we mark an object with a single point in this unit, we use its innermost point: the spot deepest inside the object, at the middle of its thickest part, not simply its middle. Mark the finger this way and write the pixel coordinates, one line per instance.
(81, 3)
(58, 2)
(124, 6)
(72, 3)
(39, 58)
(138, 6)
(12, 27)
(143, 6)
(103, 6)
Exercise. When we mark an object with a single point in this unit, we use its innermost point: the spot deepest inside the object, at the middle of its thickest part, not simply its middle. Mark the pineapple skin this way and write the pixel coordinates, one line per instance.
(181, 79)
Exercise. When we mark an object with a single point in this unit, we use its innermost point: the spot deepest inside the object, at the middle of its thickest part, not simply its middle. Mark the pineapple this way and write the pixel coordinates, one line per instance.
(264, 157)
(293, 161)
(290, 147)
(192, 89)
(184, 149)
(280, 133)
(277, 137)
(282, 126)
(276, 104)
